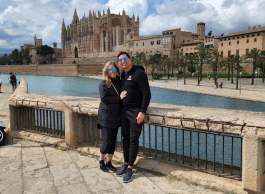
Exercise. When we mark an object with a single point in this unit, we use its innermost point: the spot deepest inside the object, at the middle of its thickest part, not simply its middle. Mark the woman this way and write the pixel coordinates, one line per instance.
(109, 117)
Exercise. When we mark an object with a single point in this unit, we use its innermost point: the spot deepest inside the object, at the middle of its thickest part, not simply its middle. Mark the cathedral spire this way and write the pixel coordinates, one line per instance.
(90, 15)
(123, 12)
(133, 18)
(63, 25)
(138, 19)
(108, 11)
(103, 12)
(99, 14)
(75, 14)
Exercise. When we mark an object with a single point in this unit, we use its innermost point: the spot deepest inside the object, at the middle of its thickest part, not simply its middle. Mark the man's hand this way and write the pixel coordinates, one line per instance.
(123, 94)
(140, 118)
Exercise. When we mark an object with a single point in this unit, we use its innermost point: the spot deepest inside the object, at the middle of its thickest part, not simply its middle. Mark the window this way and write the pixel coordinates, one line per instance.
(158, 42)
(221, 53)
(225, 38)
(242, 36)
(255, 40)
(125, 45)
(206, 40)
(131, 36)
(151, 51)
(146, 51)
(131, 52)
(143, 43)
(238, 42)
(220, 39)
(163, 40)
(190, 48)
(253, 35)
(258, 34)
(229, 53)
(222, 44)
(247, 51)
(229, 43)
(211, 40)
(247, 35)
(168, 40)
(237, 52)
(152, 42)
(136, 44)
(247, 40)
(187, 49)
(228, 38)
(188, 40)
(233, 37)
(238, 37)
(183, 41)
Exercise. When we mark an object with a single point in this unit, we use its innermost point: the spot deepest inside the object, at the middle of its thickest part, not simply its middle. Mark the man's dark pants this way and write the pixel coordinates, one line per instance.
(131, 132)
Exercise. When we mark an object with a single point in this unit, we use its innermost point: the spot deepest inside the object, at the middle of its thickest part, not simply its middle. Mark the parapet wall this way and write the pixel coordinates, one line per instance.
(249, 125)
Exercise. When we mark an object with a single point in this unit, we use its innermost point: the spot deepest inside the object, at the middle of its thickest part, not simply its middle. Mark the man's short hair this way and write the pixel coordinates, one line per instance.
(10, 73)
(124, 53)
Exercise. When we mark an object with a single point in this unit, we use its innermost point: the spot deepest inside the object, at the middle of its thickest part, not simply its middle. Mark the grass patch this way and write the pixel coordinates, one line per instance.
(172, 178)
(83, 154)
(116, 162)
(193, 183)
(64, 149)
(55, 145)
(214, 189)
(43, 145)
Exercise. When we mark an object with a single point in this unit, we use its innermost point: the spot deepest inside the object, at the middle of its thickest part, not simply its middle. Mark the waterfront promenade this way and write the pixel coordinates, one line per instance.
(248, 91)
(30, 167)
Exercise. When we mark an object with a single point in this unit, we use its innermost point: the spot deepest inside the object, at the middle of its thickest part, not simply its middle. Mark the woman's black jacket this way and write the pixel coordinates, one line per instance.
(109, 112)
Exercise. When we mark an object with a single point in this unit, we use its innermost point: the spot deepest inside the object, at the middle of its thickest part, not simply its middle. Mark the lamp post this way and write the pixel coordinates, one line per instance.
(207, 73)
(256, 79)
(177, 79)
(240, 82)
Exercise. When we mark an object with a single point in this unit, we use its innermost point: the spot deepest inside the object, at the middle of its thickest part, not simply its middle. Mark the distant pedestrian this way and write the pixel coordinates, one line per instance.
(221, 85)
(13, 81)
(209, 77)
(19, 82)
(0, 82)
(216, 84)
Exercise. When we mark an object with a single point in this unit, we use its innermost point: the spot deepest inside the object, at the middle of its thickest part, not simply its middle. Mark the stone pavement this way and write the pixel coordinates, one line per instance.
(248, 91)
(32, 168)
(4, 108)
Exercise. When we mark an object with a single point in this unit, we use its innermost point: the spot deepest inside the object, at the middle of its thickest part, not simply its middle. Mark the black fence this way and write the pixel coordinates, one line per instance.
(217, 153)
(38, 120)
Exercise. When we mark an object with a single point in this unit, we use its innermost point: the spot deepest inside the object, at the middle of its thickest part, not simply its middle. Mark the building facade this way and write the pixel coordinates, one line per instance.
(97, 34)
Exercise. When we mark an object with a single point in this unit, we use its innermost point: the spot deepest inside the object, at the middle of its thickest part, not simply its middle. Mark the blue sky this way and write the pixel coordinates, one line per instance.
(20, 20)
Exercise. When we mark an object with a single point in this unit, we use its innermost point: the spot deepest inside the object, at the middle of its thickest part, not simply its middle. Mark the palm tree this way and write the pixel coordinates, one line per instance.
(231, 59)
(184, 64)
(178, 55)
(237, 60)
(262, 62)
(253, 54)
(153, 61)
(203, 55)
(216, 56)
(139, 59)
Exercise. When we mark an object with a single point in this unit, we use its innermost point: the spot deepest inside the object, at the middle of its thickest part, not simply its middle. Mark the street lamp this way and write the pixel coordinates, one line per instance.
(256, 79)
(207, 73)
(240, 82)
(177, 79)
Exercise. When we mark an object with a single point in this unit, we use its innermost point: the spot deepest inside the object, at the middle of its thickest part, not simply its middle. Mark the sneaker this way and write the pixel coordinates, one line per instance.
(102, 166)
(122, 171)
(128, 175)
(110, 167)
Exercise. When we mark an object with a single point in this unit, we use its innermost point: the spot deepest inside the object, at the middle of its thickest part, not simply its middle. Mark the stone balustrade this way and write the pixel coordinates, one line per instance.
(249, 125)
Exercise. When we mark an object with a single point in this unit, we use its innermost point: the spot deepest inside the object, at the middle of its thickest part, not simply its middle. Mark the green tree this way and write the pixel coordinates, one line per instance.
(184, 64)
(140, 59)
(202, 54)
(262, 63)
(216, 56)
(26, 55)
(237, 60)
(253, 54)
(192, 59)
(153, 61)
(177, 56)
(44, 51)
(231, 60)
(16, 57)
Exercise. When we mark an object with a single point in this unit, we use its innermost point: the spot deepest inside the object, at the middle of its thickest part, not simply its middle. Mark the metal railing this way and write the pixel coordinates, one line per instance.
(217, 153)
(38, 120)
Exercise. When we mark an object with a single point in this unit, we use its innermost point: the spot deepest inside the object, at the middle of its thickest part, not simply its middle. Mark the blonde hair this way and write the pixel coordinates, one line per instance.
(105, 73)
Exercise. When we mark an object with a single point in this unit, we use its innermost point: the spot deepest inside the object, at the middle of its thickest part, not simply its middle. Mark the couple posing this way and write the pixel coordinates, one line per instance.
(124, 101)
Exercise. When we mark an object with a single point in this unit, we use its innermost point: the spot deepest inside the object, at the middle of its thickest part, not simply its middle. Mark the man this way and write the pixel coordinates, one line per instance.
(0, 82)
(13, 81)
(135, 87)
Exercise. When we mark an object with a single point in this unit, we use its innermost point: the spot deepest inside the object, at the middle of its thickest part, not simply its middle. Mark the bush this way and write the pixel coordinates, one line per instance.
(74, 62)
(158, 75)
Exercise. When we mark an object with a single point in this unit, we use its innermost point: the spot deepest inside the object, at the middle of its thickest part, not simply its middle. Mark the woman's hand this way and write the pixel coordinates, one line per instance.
(123, 94)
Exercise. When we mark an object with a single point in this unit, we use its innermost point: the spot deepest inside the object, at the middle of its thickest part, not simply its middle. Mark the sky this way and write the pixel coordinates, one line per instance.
(20, 20)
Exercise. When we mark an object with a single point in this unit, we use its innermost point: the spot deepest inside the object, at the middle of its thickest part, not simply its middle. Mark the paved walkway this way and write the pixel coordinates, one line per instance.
(33, 168)
(4, 108)
(248, 91)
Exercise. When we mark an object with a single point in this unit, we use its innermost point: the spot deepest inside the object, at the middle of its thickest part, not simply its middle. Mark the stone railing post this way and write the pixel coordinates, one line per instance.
(253, 177)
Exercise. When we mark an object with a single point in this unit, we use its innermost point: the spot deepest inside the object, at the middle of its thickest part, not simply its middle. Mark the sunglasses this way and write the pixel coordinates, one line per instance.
(125, 59)
(112, 69)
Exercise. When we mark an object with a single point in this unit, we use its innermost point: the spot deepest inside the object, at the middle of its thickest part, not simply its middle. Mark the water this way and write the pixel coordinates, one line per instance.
(85, 87)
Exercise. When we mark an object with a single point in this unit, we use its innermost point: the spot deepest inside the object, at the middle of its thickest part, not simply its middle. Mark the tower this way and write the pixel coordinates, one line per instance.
(63, 37)
(201, 30)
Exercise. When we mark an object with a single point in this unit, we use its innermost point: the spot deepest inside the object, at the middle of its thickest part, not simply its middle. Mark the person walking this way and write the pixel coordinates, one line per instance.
(13, 81)
(134, 83)
(109, 119)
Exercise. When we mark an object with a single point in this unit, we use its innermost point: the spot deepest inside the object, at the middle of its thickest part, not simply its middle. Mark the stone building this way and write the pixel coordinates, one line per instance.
(241, 42)
(97, 34)
(32, 51)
